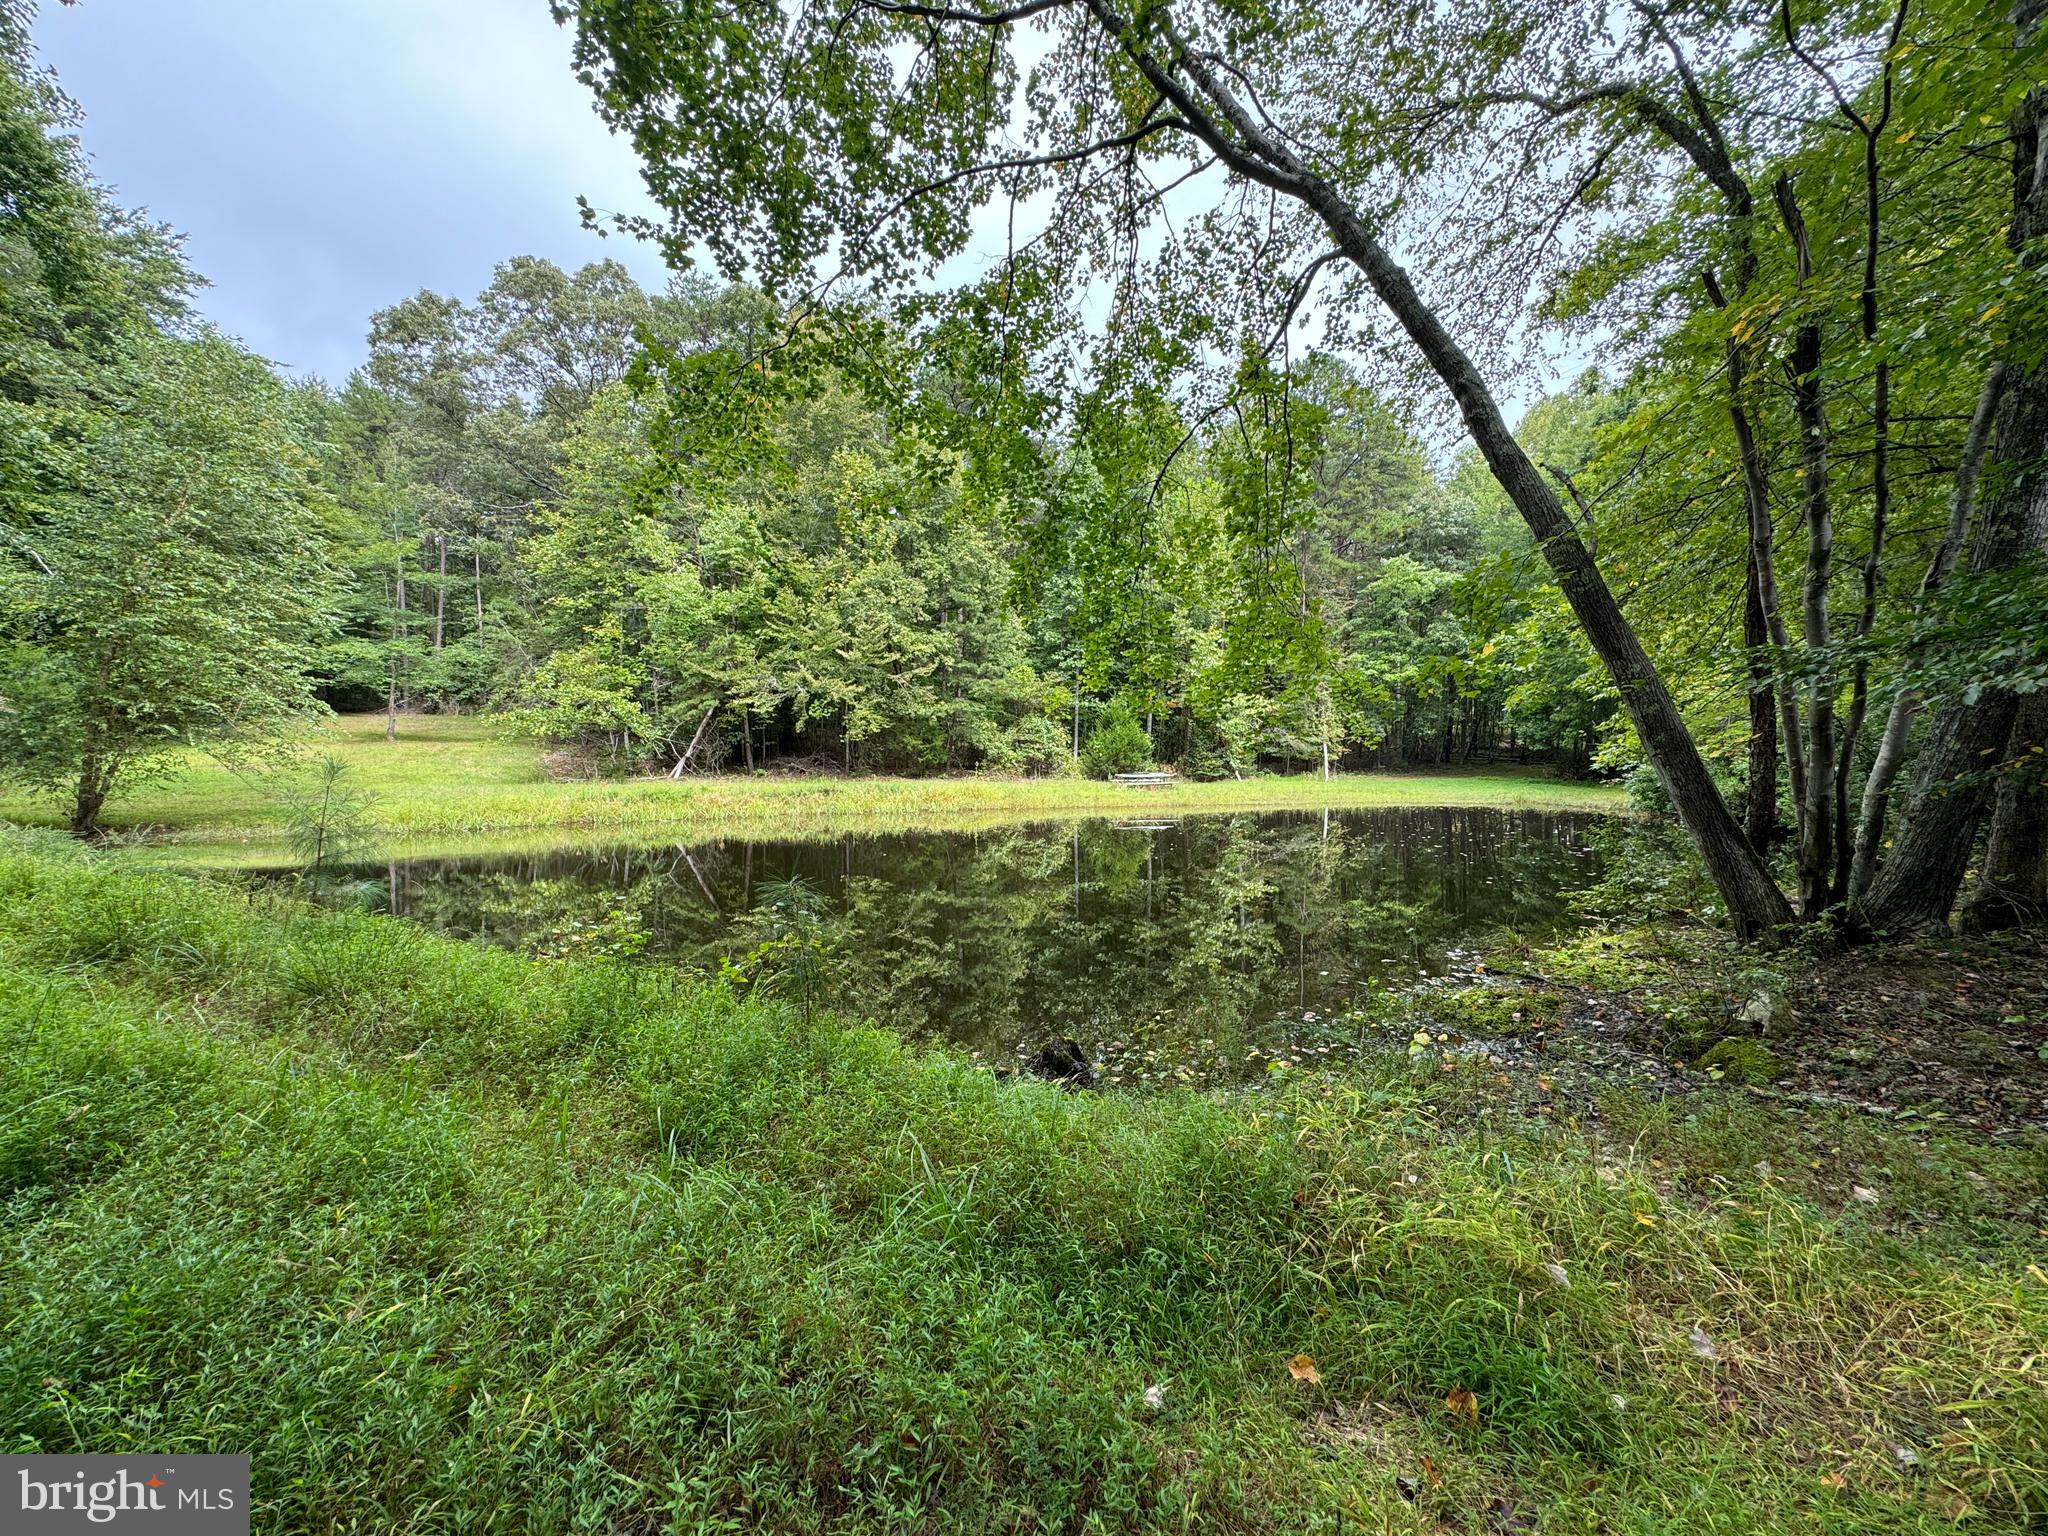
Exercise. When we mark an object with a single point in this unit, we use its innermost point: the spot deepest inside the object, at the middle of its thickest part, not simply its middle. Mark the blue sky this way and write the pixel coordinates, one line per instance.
(329, 157)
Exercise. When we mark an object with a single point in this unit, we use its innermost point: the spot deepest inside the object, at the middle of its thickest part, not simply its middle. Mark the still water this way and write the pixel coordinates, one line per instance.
(1187, 949)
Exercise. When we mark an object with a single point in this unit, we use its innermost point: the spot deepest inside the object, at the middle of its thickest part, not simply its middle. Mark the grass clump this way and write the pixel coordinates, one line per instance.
(453, 1240)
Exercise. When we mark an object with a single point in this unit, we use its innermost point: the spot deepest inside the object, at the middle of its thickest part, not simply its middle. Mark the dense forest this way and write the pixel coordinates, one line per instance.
(1782, 548)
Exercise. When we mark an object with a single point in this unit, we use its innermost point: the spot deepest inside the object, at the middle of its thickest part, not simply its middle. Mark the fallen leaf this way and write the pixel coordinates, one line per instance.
(1556, 1272)
(1303, 1368)
(1861, 1195)
(1703, 1344)
(1463, 1405)
(1835, 1480)
(1645, 1219)
(1436, 1478)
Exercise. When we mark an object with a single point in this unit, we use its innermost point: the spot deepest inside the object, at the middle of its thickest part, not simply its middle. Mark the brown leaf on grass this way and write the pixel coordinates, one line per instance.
(1436, 1478)
(1463, 1405)
(1303, 1368)
(1835, 1480)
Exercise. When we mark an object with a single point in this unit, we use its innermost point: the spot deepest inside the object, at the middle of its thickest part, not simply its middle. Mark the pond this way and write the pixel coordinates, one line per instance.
(1192, 949)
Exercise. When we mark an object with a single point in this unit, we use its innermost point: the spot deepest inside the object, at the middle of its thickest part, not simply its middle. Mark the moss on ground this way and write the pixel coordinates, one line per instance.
(1742, 1061)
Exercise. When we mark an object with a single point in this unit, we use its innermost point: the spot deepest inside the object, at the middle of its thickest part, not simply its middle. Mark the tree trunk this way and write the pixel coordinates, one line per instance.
(440, 587)
(690, 752)
(1916, 889)
(95, 779)
(1859, 693)
(1760, 795)
(1755, 904)
(1802, 369)
(1762, 564)
(1890, 756)
(391, 668)
(2012, 885)
(400, 631)
(476, 566)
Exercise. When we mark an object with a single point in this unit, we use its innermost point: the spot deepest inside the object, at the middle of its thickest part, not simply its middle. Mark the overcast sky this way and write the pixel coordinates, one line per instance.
(329, 157)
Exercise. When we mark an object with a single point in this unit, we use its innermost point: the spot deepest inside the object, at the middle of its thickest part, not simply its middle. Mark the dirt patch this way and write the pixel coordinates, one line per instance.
(1948, 1029)
(1949, 1033)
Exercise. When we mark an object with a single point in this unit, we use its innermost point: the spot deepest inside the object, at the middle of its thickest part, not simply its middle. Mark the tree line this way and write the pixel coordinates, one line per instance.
(558, 500)
(1109, 501)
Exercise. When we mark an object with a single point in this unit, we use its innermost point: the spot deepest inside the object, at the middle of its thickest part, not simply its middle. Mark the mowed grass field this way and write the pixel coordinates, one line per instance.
(453, 783)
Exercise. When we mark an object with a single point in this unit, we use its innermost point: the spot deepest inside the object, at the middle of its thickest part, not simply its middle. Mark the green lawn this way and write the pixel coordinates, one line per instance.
(452, 1240)
(454, 783)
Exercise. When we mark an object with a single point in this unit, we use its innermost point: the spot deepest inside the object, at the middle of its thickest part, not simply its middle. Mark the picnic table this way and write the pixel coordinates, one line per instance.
(1146, 780)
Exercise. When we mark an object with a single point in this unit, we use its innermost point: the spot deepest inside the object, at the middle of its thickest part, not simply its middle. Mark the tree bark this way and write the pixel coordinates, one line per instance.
(1755, 904)
(2012, 884)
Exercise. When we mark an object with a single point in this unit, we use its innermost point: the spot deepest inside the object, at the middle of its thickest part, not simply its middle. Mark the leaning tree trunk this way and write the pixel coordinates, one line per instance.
(2012, 884)
(1916, 889)
(1755, 904)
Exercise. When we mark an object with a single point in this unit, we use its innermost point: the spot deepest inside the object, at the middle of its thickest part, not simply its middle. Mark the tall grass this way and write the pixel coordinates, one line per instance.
(452, 783)
(451, 1240)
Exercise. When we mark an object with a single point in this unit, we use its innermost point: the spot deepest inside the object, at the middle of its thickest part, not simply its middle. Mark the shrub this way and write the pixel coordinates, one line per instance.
(1038, 746)
(1119, 744)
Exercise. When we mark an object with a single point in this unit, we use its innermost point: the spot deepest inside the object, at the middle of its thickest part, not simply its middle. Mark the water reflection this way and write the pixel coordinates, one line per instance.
(1168, 948)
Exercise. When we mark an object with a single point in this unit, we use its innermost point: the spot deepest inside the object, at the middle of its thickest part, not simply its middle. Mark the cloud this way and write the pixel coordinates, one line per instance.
(326, 160)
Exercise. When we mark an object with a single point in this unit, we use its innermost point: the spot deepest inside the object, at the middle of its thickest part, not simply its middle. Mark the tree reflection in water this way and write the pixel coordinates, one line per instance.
(1172, 950)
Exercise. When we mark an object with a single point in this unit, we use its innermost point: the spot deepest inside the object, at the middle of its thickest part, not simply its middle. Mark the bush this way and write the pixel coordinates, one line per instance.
(1119, 744)
(1037, 746)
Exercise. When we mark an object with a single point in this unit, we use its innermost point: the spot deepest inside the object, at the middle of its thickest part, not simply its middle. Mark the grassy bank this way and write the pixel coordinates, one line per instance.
(453, 1240)
(451, 783)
